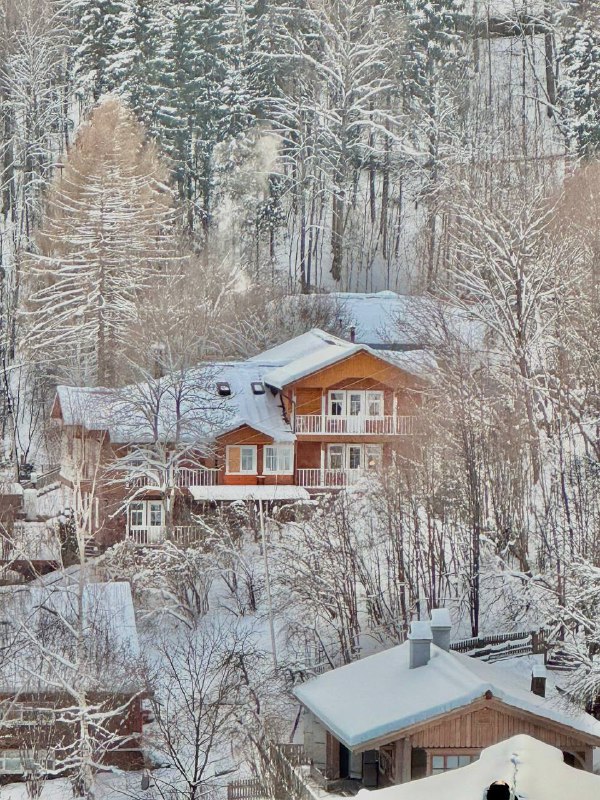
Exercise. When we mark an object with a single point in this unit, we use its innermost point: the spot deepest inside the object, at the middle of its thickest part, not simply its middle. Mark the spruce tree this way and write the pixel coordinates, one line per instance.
(99, 25)
(581, 79)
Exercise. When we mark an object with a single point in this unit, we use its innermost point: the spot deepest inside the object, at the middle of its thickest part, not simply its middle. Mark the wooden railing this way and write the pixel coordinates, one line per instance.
(245, 789)
(354, 425)
(330, 478)
(152, 536)
(183, 477)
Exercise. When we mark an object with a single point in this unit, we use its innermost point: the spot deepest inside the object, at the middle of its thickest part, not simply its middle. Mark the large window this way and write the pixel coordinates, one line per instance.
(354, 456)
(155, 515)
(278, 459)
(444, 762)
(355, 403)
(145, 514)
(241, 460)
(136, 515)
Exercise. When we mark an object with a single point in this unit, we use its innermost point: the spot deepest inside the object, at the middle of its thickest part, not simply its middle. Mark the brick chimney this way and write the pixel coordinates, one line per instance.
(420, 637)
(441, 626)
(353, 334)
(538, 680)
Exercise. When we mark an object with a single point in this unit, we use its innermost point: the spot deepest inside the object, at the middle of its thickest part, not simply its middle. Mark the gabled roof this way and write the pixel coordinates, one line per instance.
(533, 770)
(313, 351)
(379, 696)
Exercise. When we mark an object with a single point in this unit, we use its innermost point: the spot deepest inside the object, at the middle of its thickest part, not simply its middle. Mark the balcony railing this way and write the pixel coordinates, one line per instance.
(355, 425)
(184, 477)
(151, 536)
(331, 478)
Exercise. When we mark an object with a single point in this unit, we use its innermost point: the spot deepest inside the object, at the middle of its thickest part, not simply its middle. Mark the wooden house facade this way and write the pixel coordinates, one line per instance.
(419, 709)
(314, 414)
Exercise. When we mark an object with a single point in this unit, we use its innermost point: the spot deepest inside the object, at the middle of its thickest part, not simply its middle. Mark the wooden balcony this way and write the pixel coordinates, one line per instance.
(183, 477)
(152, 536)
(320, 424)
(331, 478)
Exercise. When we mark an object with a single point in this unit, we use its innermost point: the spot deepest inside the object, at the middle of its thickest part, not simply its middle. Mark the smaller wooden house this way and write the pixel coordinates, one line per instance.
(70, 657)
(419, 709)
(527, 768)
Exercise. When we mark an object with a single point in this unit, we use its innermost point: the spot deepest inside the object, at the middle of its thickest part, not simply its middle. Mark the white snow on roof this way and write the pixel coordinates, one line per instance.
(388, 696)
(233, 493)
(38, 625)
(388, 318)
(533, 770)
(300, 346)
(203, 415)
(317, 350)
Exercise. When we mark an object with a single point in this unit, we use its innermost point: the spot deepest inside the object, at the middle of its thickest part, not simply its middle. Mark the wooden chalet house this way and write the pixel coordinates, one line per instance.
(419, 709)
(42, 677)
(314, 414)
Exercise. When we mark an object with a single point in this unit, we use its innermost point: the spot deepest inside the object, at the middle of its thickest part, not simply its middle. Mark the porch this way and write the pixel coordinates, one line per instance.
(331, 478)
(359, 425)
(155, 535)
(183, 477)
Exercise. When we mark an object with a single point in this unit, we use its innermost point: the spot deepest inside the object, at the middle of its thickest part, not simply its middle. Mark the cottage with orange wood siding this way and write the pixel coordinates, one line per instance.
(314, 414)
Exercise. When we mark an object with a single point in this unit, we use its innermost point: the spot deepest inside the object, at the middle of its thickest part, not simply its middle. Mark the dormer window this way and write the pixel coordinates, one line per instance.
(223, 389)
(258, 387)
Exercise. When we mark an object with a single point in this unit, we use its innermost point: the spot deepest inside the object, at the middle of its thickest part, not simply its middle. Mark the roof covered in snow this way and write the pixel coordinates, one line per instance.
(189, 406)
(39, 627)
(387, 319)
(244, 492)
(316, 350)
(532, 769)
(388, 696)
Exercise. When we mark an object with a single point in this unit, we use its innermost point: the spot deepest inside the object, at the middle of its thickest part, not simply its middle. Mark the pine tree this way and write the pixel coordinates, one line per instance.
(581, 79)
(107, 230)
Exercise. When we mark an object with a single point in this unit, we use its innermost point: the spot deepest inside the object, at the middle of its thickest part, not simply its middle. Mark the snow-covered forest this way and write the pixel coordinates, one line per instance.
(187, 183)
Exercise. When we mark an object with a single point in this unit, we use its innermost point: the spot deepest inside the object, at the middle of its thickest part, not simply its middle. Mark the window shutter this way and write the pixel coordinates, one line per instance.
(233, 459)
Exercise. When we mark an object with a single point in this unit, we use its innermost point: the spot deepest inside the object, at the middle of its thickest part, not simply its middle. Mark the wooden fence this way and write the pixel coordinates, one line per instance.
(245, 789)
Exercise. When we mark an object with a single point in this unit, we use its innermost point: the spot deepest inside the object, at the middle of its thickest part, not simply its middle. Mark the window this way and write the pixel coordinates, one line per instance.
(278, 459)
(373, 456)
(354, 456)
(443, 763)
(375, 404)
(355, 403)
(248, 459)
(10, 761)
(337, 403)
(136, 515)
(241, 459)
(335, 455)
(155, 515)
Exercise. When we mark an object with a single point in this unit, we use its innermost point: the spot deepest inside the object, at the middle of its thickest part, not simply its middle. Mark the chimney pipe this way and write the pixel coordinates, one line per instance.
(420, 644)
(441, 626)
(538, 680)
(353, 334)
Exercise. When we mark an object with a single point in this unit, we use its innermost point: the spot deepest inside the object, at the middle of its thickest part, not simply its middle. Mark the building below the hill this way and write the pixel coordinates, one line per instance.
(532, 769)
(419, 709)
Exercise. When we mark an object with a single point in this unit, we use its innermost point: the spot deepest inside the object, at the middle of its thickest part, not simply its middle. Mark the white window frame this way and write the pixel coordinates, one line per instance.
(330, 402)
(152, 506)
(381, 396)
(378, 450)
(146, 513)
(331, 447)
(242, 471)
(361, 395)
(361, 456)
(279, 450)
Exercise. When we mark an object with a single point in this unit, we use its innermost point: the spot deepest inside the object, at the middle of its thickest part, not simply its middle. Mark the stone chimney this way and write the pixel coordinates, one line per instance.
(538, 680)
(441, 625)
(420, 644)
